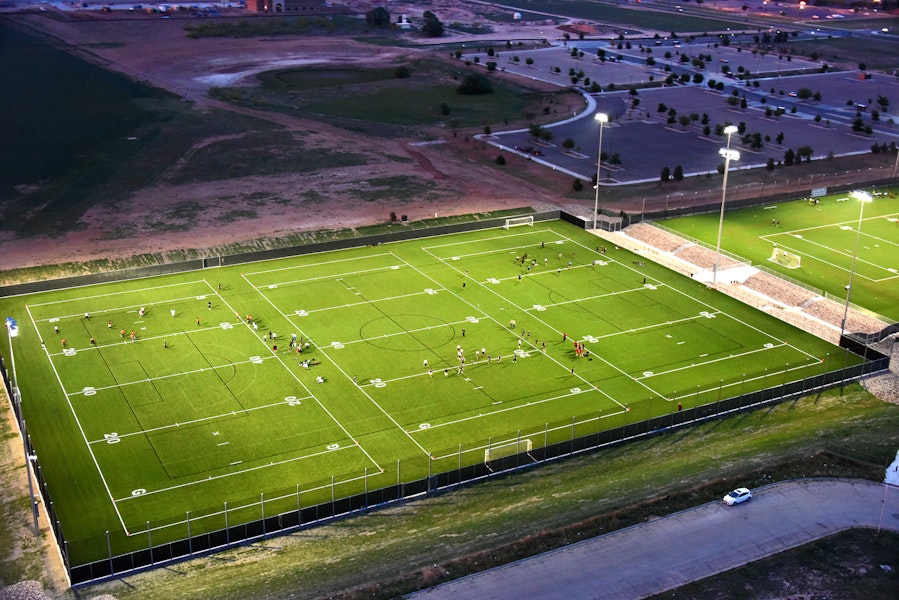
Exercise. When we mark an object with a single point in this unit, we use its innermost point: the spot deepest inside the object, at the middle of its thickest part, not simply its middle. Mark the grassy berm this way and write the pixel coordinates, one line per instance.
(388, 552)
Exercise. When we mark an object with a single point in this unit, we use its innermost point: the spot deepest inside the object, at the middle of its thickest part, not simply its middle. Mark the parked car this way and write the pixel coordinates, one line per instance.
(737, 496)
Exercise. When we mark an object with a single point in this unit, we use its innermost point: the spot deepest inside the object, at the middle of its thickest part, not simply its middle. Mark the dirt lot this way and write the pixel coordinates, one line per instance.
(157, 51)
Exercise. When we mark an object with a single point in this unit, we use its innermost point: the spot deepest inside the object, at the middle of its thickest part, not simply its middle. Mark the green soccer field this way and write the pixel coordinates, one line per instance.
(823, 236)
(212, 411)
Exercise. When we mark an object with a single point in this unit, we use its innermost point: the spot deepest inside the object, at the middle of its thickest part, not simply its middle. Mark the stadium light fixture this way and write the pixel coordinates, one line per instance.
(603, 118)
(728, 156)
(863, 198)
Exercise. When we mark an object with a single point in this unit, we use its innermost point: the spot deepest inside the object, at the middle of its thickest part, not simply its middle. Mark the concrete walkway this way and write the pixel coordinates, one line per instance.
(666, 553)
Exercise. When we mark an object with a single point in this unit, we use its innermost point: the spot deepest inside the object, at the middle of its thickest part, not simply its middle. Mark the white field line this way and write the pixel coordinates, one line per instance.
(539, 232)
(317, 264)
(317, 401)
(491, 289)
(818, 258)
(352, 304)
(232, 474)
(80, 429)
(719, 360)
(109, 295)
(408, 331)
(129, 308)
(170, 376)
(194, 421)
(330, 277)
(516, 407)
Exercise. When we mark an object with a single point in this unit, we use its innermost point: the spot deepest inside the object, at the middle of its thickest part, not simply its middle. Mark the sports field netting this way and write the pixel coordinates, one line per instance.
(247, 390)
(822, 232)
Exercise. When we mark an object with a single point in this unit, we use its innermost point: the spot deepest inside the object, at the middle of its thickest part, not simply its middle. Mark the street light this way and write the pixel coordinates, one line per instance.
(728, 156)
(603, 118)
(863, 198)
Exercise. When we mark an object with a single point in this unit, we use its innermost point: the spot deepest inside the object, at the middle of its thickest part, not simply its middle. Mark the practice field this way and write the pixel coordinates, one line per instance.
(186, 400)
(823, 235)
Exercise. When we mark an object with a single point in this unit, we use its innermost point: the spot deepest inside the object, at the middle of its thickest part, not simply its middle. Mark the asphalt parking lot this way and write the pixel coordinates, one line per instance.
(646, 142)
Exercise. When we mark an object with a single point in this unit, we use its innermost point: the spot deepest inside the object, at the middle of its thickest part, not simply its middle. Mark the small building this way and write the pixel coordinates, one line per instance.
(287, 6)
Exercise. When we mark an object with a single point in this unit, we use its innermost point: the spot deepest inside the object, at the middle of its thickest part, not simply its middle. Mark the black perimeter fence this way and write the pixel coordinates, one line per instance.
(155, 555)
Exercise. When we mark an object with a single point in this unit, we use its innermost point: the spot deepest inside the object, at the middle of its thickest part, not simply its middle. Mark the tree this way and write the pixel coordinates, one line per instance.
(432, 27)
(402, 72)
(804, 152)
(789, 157)
(500, 160)
(884, 102)
(804, 93)
(666, 174)
(568, 144)
(769, 166)
(378, 17)
(684, 121)
(578, 185)
(475, 84)
(678, 173)
(780, 138)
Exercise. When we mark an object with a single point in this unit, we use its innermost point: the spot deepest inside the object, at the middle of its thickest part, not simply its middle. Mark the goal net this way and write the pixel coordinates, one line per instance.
(517, 221)
(786, 259)
(505, 450)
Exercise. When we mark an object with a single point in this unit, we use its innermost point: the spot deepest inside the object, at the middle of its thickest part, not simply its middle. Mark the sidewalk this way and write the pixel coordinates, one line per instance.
(666, 553)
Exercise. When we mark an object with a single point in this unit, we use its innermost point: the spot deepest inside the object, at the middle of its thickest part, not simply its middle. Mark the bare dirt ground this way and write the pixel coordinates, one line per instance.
(158, 51)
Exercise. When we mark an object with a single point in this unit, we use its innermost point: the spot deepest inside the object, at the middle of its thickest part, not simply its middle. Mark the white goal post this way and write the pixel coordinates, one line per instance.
(518, 221)
(786, 259)
(509, 449)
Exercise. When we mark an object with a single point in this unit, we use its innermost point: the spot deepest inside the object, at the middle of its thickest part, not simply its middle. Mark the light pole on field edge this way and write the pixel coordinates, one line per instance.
(728, 156)
(863, 198)
(603, 118)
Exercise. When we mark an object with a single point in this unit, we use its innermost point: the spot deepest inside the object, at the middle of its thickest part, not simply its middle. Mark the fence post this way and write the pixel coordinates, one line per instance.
(190, 542)
(332, 497)
(299, 507)
(545, 440)
(109, 553)
(366, 487)
(227, 528)
(150, 542)
(262, 505)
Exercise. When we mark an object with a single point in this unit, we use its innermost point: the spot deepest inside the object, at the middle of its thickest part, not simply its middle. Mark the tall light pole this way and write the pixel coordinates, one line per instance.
(863, 198)
(728, 155)
(603, 118)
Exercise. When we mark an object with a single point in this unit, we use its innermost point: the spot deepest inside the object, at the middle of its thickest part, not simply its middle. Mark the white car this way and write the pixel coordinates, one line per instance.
(737, 496)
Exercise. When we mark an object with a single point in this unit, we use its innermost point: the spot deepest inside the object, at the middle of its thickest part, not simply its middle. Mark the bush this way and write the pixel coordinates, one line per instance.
(500, 160)
(475, 84)
(402, 72)
(578, 185)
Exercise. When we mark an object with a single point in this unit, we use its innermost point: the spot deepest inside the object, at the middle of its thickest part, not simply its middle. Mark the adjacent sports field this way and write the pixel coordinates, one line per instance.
(823, 233)
(209, 412)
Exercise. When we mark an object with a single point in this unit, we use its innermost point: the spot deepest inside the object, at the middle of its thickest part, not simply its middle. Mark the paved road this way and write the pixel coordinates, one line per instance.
(666, 553)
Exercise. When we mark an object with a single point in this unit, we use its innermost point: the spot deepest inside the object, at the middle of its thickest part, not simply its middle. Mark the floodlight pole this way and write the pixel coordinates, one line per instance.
(603, 118)
(863, 198)
(728, 154)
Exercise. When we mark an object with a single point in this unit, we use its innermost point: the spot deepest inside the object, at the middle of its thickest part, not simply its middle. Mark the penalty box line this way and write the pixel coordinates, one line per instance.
(321, 405)
(330, 277)
(209, 478)
(111, 294)
(316, 264)
(80, 426)
(824, 261)
(200, 420)
(497, 411)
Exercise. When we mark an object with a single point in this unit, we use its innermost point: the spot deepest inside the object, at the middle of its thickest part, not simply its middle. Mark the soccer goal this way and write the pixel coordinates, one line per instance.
(505, 450)
(517, 221)
(786, 259)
